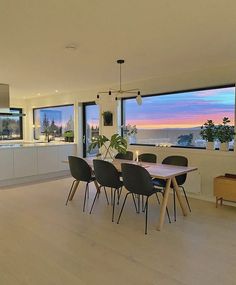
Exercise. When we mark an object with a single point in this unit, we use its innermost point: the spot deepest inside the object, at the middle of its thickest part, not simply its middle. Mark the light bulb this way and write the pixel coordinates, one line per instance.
(139, 99)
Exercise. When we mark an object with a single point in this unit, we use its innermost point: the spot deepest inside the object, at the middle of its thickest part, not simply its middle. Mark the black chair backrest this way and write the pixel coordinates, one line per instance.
(136, 179)
(79, 168)
(147, 157)
(179, 161)
(106, 174)
(128, 155)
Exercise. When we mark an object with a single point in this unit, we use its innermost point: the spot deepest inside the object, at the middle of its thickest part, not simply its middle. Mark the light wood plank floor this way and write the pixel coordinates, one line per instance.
(44, 242)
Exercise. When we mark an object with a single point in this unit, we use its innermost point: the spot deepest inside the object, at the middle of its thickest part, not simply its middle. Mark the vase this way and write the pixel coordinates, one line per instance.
(210, 146)
(132, 139)
(224, 146)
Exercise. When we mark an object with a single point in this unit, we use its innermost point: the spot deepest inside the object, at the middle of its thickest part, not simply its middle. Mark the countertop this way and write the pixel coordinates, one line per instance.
(32, 144)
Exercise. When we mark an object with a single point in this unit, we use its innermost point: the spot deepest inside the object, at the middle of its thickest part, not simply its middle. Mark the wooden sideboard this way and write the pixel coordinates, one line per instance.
(224, 189)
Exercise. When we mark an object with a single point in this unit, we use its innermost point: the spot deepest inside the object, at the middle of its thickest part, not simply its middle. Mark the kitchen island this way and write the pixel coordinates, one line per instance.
(27, 162)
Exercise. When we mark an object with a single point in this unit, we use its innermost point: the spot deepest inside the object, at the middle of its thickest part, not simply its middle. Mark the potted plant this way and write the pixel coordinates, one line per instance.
(225, 133)
(130, 133)
(116, 142)
(208, 133)
(107, 118)
(69, 136)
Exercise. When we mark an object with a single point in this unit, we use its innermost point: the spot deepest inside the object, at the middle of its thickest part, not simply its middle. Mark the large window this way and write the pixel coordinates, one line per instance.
(91, 126)
(175, 119)
(11, 126)
(54, 122)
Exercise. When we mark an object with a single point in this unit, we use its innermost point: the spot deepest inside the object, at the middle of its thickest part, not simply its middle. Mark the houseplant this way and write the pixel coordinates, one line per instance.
(130, 133)
(225, 133)
(208, 133)
(69, 136)
(116, 142)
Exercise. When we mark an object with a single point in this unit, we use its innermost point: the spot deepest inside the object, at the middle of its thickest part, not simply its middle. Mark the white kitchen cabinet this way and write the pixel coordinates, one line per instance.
(48, 159)
(25, 161)
(6, 163)
(64, 152)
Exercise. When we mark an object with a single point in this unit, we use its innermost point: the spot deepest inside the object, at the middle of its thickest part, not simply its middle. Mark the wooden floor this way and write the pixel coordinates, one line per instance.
(44, 242)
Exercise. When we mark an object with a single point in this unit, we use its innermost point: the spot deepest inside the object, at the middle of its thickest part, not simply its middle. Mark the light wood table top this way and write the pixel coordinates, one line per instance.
(156, 170)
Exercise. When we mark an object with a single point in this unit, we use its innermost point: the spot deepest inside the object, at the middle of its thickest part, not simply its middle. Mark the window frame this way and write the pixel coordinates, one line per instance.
(176, 92)
(48, 107)
(20, 123)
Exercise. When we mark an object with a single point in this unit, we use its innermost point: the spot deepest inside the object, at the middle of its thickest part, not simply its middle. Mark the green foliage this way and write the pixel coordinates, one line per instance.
(69, 134)
(116, 142)
(98, 141)
(185, 140)
(130, 130)
(224, 132)
(119, 143)
(208, 131)
(45, 124)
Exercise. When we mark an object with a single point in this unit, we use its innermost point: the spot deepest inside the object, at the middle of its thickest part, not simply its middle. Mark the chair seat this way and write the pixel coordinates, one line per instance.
(155, 190)
(159, 182)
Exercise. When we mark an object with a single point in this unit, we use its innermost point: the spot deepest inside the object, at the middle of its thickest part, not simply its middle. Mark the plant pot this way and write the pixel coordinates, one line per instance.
(224, 146)
(210, 146)
(132, 139)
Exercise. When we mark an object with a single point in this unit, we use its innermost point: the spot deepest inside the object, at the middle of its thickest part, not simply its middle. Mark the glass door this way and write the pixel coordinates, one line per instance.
(90, 126)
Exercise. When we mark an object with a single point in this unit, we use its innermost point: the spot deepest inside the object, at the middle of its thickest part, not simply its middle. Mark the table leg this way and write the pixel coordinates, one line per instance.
(74, 190)
(176, 187)
(164, 204)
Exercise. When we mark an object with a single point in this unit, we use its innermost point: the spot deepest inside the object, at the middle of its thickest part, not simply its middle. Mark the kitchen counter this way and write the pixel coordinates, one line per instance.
(32, 144)
(30, 161)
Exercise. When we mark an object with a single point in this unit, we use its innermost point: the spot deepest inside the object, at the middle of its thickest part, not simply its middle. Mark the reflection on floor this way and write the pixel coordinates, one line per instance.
(44, 242)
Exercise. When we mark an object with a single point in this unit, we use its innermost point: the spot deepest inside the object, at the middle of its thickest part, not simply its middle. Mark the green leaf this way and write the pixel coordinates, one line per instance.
(98, 141)
(117, 142)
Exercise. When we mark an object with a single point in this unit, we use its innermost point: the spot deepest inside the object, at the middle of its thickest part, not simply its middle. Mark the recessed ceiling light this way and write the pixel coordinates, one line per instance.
(38, 93)
(71, 47)
(56, 91)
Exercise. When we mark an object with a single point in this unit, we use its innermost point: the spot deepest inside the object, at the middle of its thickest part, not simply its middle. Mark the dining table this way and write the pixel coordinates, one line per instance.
(162, 171)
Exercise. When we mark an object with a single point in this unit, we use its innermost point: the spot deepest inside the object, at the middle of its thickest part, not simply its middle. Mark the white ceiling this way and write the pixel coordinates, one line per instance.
(154, 37)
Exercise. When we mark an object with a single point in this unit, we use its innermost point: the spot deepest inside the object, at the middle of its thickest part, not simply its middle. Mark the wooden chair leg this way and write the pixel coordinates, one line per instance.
(71, 188)
(74, 190)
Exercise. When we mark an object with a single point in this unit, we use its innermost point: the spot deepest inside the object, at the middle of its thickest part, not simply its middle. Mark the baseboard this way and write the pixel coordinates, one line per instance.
(209, 199)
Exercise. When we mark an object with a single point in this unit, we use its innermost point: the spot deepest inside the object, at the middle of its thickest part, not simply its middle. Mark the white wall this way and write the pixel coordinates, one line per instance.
(210, 164)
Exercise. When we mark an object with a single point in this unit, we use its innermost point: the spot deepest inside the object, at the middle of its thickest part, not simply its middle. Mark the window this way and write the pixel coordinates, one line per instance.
(56, 122)
(11, 126)
(91, 126)
(175, 119)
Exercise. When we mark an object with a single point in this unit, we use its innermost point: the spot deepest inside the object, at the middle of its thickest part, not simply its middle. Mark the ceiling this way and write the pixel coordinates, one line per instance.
(154, 37)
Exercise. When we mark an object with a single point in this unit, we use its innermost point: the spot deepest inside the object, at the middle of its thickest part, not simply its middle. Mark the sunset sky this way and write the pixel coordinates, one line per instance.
(182, 110)
(92, 115)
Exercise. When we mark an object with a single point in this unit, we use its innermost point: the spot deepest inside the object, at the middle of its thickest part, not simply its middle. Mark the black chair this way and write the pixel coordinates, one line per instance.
(107, 176)
(138, 181)
(81, 171)
(147, 157)
(179, 161)
(128, 155)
